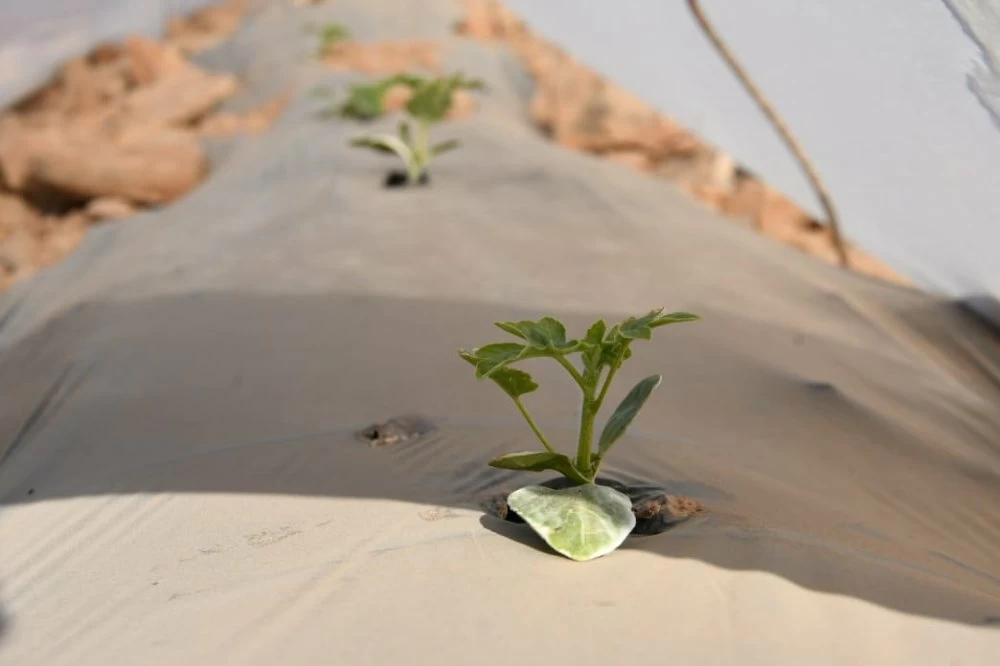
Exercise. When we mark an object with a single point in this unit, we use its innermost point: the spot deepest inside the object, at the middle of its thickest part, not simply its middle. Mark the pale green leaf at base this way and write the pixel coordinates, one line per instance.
(582, 522)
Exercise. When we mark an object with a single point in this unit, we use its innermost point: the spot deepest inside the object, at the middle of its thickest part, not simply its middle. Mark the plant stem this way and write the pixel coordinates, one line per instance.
(574, 373)
(534, 427)
(420, 149)
(611, 375)
(587, 415)
(578, 476)
(590, 408)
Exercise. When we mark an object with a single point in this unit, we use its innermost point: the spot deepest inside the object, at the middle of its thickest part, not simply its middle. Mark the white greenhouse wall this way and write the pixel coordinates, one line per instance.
(894, 100)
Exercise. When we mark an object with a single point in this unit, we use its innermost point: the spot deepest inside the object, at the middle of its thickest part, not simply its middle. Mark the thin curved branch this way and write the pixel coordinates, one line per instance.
(833, 220)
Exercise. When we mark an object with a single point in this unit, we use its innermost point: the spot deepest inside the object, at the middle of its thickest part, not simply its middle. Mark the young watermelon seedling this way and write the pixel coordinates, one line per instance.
(585, 520)
(428, 105)
(330, 34)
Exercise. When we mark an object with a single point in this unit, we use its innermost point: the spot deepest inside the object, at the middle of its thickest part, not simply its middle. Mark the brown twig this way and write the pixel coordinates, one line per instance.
(833, 219)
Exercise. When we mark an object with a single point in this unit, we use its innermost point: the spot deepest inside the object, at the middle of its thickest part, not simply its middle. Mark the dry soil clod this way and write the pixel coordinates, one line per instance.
(395, 430)
(115, 130)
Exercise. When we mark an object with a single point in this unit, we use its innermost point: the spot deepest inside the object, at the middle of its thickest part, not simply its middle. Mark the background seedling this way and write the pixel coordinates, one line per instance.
(430, 102)
(366, 101)
(585, 520)
(330, 34)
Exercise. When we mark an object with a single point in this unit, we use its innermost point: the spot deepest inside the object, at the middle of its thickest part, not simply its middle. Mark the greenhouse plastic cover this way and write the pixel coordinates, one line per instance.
(896, 102)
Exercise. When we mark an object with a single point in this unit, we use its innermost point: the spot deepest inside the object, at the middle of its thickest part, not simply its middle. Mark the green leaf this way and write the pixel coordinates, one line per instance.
(511, 327)
(385, 143)
(489, 357)
(431, 100)
(595, 334)
(404, 132)
(513, 382)
(626, 412)
(537, 462)
(674, 318)
(613, 345)
(639, 328)
(330, 33)
(364, 103)
(548, 333)
(593, 350)
(582, 522)
(367, 100)
(445, 146)
(592, 361)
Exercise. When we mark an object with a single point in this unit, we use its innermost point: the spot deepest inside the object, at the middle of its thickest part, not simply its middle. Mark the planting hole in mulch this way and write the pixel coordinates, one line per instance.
(398, 178)
(655, 510)
(395, 430)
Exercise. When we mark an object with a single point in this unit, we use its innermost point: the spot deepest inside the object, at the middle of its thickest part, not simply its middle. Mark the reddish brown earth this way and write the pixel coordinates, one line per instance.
(384, 57)
(116, 130)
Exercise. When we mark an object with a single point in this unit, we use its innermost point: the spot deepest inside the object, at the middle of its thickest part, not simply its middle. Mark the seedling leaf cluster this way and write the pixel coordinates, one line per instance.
(602, 352)
(330, 34)
(429, 102)
(366, 101)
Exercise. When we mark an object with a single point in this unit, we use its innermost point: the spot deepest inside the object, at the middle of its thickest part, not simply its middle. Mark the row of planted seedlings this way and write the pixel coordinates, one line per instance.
(428, 104)
(579, 515)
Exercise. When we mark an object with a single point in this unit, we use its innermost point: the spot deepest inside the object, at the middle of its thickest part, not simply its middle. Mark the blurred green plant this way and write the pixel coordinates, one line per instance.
(366, 101)
(330, 34)
(429, 103)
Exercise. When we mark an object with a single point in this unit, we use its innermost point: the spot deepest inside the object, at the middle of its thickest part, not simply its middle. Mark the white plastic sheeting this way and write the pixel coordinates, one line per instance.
(889, 98)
